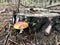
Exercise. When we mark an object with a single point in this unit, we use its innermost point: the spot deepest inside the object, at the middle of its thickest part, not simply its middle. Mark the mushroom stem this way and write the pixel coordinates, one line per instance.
(48, 29)
(21, 31)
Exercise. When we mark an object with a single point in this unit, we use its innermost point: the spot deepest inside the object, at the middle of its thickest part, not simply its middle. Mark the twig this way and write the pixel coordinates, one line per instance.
(13, 41)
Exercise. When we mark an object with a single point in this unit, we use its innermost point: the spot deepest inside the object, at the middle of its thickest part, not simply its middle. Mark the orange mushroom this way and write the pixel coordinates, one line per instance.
(20, 26)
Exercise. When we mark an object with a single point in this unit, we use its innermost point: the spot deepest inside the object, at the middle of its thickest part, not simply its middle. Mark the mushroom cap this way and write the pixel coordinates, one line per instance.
(20, 25)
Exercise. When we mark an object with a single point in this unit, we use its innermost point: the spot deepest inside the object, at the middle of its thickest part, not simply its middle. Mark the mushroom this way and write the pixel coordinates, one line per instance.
(48, 29)
(20, 26)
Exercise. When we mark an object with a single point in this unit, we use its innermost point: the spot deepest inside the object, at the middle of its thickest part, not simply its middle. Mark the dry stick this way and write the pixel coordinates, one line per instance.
(13, 41)
(56, 41)
(9, 39)
(4, 26)
(5, 42)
